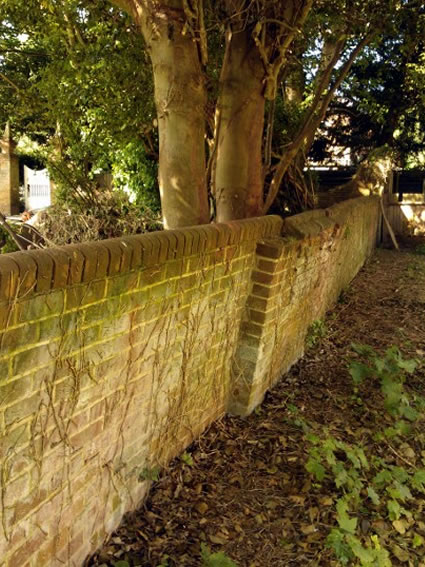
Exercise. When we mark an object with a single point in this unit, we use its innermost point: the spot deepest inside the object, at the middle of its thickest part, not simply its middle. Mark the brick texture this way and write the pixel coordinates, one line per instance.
(115, 355)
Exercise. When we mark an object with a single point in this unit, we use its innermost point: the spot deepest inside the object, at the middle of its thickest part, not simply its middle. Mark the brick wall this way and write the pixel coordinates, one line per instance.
(115, 355)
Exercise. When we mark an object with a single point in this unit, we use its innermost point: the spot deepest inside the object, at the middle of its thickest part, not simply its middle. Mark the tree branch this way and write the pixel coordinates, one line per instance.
(314, 117)
(10, 82)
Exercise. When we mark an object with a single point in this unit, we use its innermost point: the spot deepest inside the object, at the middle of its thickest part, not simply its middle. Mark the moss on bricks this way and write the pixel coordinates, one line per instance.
(40, 306)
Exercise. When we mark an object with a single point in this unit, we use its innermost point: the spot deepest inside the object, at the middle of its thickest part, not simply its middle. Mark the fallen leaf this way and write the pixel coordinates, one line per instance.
(399, 526)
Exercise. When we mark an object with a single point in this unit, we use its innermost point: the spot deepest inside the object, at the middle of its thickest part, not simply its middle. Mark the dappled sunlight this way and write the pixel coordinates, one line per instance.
(415, 216)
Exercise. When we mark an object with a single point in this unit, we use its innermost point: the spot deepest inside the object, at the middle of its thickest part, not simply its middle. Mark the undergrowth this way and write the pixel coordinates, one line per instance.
(377, 480)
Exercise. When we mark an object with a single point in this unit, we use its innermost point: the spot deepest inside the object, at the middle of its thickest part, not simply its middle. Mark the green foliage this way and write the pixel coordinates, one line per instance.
(382, 100)
(6, 243)
(390, 370)
(219, 559)
(316, 332)
(79, 85)
(187, 459)
(150, 473)
(137, 173)
(366, 484)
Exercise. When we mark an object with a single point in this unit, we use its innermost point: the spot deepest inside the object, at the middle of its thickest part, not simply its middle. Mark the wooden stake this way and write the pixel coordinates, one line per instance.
(389, 227)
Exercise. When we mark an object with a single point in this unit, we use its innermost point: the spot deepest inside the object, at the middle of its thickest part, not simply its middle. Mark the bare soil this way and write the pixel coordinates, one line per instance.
(244, 489)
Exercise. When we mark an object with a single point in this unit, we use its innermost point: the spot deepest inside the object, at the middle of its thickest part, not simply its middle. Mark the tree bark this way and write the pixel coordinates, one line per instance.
(238, 179)
(180, 98)
(371, 178)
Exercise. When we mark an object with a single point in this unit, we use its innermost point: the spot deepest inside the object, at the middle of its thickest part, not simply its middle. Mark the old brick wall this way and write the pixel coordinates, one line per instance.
(115, 355)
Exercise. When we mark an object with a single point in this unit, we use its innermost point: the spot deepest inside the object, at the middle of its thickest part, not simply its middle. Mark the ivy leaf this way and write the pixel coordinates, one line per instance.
(315, 468)
(394, 510)
(400, 474)
(418, 480)
(408, 365)
(399, 492)
(346, 523)
(363, 350)
(336, 541)
(219, 559)
(312, 438)
(341, 478)
(373, 495)
(365, 555)
(409, 413)
(358, 371)
(382, 478)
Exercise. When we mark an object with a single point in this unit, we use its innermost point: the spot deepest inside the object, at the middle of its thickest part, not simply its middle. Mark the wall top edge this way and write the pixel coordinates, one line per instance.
(35, 271)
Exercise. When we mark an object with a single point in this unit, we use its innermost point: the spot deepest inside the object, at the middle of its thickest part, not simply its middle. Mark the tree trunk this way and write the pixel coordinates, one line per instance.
(237, 176)
(370, 179)
(180, 98)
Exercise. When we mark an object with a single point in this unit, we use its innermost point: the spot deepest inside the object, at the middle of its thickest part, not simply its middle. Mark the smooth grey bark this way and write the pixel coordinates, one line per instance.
(238, 179)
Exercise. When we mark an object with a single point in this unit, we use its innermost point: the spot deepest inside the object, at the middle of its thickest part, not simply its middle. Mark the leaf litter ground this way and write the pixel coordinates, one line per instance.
(243, 489)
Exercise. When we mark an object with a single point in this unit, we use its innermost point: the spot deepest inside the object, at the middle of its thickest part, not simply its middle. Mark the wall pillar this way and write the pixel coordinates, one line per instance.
(253, 362)
(9, 175)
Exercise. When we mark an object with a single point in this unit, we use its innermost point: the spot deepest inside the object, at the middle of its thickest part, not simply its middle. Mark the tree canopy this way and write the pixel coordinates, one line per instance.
(229, 98)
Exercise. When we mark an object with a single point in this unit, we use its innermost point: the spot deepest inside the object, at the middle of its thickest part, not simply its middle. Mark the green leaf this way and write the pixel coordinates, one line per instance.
(312, 438)
(346, 523)
(366, 556)
(409, 413)
(187, 459)
(363, 460)
(359, 372)
(408, 365)
(418, 540)
(400, 474)
(363, 350)
(219, 559)
(399, 492)
(382, 478)
(341, 478)
(121, 564)
(394, 510)
(418, 480)
(373, 495)
(317, 469)
(336, 541)
(353, 458)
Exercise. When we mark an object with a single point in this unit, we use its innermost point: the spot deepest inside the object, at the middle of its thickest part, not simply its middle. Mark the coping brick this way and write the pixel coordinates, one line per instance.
(45, 269)
(27, 273)
(61, 265)
(76, 263)
(9, 276)
(55, 268)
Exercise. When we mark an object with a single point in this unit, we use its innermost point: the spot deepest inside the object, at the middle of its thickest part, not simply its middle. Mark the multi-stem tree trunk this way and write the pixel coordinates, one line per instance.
(180, 98)
(237, 175)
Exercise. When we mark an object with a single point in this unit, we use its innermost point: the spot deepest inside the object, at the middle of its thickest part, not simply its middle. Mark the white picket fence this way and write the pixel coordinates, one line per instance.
(37, 189)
